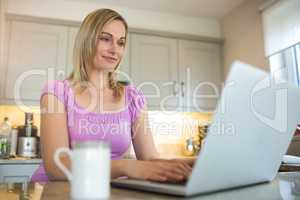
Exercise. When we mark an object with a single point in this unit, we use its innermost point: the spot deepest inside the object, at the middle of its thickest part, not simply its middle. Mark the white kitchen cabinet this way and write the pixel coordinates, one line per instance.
(200, 75)
(18, 170)
(154, 70)
(36, 54)
(167, 70)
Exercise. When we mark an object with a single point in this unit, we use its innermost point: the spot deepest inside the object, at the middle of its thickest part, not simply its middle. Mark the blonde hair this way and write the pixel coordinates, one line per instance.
(85, 48)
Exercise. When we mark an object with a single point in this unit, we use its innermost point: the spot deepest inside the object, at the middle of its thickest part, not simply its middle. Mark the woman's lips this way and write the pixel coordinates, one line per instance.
(110, 59)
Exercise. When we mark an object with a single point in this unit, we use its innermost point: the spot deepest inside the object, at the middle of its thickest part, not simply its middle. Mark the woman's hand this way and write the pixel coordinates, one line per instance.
(189, 161)
(158, 170)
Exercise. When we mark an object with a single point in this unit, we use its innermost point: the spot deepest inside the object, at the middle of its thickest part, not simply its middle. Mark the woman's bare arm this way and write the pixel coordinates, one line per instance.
(142, 140)
(54, 134)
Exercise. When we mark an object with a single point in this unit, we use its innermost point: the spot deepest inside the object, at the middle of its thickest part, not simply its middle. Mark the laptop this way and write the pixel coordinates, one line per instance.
(252, 127)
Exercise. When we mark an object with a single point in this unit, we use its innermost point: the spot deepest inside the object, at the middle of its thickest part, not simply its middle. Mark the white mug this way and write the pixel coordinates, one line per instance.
(90, 169)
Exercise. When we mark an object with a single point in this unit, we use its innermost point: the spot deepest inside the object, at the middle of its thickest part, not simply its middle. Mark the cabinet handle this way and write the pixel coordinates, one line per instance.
(182, 88)
(175, 91)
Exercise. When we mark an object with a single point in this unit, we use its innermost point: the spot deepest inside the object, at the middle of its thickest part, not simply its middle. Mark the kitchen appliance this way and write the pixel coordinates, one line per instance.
(28, 129)
(27, 138)
(27, 147)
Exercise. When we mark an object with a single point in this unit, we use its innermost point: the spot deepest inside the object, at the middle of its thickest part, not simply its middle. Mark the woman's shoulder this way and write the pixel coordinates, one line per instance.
(55, 84)
(135, 95)
(58, 88)
(137, 101)
(133, 91)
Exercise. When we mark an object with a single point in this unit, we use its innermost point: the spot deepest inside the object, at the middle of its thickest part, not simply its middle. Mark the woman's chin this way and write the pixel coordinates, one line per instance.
(105, 69)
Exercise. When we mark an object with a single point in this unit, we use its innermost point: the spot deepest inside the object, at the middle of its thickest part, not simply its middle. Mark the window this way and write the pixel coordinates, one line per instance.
(285, 65)
(297, 52)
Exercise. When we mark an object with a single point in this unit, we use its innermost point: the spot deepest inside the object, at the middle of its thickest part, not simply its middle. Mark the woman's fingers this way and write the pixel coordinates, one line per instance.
(171, 177)
(157, 177)
(186, 167)
(180, 167)
(176, 177)
(161, 171)
(190, 161)
(175, 172)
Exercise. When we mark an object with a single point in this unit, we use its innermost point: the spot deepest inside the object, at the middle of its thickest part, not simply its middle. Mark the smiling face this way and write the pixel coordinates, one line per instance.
(110, 46)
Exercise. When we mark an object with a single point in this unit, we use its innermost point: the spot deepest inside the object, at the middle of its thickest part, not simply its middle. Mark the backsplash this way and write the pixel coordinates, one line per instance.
(169, 129)
(16, 114)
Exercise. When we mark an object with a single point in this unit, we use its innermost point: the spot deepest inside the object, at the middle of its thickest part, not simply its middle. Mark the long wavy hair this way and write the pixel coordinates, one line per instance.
(85, 48)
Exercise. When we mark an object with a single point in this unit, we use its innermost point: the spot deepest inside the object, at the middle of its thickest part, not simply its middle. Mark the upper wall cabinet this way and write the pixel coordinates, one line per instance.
(36, 52)
(155, 70)
(174, 74)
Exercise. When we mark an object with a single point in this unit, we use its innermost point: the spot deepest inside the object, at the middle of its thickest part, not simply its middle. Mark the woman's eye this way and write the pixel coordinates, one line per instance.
(122, 44)
(104, 39)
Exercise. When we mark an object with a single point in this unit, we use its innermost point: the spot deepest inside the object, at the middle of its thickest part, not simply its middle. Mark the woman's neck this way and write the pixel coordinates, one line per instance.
(99, 79)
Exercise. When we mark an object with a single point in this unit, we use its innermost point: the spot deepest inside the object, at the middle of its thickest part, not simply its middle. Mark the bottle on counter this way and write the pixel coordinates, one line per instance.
(188, 147)
(5, 129)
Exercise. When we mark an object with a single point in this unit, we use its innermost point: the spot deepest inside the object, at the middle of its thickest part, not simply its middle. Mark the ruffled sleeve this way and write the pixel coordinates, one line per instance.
(137, 102)
(56, 88)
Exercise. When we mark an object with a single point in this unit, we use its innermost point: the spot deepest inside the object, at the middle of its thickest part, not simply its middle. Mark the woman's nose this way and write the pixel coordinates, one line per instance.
(114, 48)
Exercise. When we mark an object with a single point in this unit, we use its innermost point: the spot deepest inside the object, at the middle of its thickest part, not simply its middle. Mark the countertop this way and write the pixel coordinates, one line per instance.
(285, 186)
(20, 160)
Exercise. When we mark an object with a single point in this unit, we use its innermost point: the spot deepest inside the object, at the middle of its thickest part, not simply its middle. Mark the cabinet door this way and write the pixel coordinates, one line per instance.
(37, 53)
(154, 70)
(200, 75)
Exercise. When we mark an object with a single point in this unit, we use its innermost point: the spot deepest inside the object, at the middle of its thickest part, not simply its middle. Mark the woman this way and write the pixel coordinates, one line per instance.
(92, 105)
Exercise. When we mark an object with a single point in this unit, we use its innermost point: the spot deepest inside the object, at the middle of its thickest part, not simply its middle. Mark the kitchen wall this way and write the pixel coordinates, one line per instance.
(1, 42)
(16, 114)
(243, 34)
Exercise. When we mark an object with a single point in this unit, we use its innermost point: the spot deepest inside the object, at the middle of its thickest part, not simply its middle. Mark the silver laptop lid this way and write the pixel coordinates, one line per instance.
(251, 130)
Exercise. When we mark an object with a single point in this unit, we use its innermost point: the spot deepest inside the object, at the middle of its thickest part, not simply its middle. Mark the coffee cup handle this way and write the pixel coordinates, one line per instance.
(59, 164)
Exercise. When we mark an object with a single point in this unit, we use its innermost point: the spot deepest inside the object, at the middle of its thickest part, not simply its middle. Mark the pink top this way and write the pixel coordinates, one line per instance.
(113, 127)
